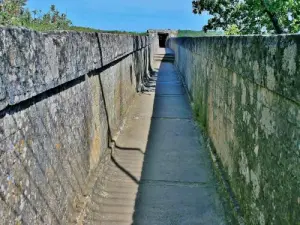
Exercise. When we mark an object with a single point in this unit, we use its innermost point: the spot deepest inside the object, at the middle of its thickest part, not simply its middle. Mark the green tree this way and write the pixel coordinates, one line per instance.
(12, 11)
(251, 16)
(232, 30)
(56, 19)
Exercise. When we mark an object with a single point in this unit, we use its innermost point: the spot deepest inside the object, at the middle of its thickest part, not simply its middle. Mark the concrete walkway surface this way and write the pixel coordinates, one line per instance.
(160, 173)
(165, 51)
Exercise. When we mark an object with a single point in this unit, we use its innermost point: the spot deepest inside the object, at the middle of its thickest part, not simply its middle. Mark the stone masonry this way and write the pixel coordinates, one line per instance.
(63, 98)
(246, 94)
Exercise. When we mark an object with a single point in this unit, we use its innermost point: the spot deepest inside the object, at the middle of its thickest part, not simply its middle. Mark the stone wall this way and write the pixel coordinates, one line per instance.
(246, 93)
(63, 98)
(153, 34)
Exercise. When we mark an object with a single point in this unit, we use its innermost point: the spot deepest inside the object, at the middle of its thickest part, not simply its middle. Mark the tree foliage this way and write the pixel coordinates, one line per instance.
(14, 13)
(251, 16)
(232, 30)
(193, 33)
(11, 11)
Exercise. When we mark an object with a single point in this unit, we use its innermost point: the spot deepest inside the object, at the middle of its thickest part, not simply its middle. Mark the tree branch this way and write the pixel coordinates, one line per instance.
(273, 18)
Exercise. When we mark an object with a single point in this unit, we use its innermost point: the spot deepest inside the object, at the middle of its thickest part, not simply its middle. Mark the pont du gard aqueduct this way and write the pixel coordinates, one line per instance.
(116, 129)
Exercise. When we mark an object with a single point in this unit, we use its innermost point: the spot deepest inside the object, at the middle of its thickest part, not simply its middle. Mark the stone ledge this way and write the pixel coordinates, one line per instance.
(269, 61)
(33, 62)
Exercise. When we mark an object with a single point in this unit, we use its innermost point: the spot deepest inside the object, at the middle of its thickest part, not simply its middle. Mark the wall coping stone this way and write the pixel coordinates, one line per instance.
(33, 62)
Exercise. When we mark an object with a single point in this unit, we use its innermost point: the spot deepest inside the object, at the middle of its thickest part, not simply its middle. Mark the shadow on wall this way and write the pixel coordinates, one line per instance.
(49, 142)
(46, 121)
(99, 210)
(126, 183)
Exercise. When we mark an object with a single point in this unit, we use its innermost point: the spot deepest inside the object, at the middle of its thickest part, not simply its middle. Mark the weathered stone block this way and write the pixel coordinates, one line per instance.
(246, 94)
(66, 92)
(33, 62)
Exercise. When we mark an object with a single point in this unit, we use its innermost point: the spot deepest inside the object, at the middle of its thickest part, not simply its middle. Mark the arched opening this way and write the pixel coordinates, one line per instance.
(162, 39)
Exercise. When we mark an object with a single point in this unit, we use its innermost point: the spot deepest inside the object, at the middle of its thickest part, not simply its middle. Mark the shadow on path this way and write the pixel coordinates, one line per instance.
(177, 185)
(167, 179)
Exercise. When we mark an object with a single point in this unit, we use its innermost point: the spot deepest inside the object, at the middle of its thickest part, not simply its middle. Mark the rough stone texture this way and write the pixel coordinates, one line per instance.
(172, 33)
(246, 92)
(54, 133)
(147, 182)
(33, 62)
(153, 34)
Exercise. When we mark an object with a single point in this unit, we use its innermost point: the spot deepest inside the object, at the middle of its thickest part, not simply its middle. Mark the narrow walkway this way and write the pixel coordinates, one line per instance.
(160, 173)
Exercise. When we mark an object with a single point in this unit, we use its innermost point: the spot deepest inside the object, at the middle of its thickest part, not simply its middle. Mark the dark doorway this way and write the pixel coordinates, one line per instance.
(162, 39)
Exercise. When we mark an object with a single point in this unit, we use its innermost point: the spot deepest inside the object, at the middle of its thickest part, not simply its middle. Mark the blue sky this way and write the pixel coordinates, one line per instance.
(129, 15)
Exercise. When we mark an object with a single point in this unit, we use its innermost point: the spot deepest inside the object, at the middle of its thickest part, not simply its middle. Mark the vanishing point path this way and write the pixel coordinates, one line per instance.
(160, 172)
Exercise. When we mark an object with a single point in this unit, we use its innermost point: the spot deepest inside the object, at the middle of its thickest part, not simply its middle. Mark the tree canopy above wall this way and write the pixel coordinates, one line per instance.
(251, 16)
